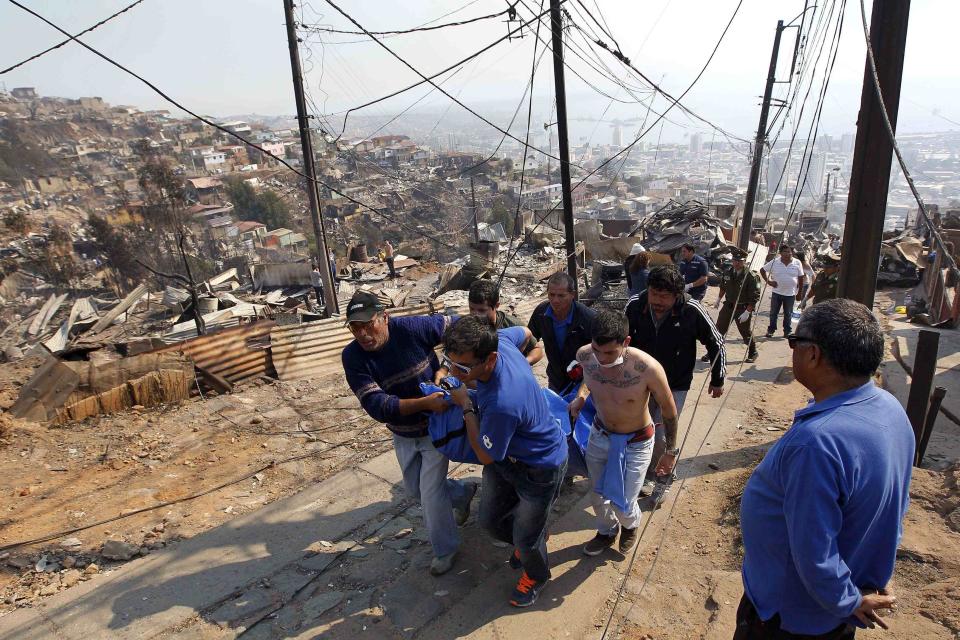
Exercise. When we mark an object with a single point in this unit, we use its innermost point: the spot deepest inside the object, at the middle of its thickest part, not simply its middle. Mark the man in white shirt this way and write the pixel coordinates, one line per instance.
(786, 277)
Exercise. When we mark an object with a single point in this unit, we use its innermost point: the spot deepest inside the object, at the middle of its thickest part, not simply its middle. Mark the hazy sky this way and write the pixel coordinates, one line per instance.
(230, 56)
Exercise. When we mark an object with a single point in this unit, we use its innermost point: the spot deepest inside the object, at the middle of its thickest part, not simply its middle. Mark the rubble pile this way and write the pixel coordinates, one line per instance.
(669, 228)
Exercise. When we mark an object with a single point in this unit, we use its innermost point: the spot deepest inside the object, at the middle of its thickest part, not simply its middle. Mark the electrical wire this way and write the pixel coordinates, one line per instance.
(811, 136)
(67, 41)
(637, 139)
(875, 77)
(428, 79)
(459, 23)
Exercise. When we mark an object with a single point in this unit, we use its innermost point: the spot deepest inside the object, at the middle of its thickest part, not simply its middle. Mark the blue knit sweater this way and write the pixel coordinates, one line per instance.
(381, 378)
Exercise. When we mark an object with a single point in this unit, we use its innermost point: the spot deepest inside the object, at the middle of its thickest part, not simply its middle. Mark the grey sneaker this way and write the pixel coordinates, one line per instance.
(441, 564)
(647, 489)
(462, 512)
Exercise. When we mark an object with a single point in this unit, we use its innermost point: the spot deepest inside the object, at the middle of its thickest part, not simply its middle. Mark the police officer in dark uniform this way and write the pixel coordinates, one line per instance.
(741, 288)
(825, 284)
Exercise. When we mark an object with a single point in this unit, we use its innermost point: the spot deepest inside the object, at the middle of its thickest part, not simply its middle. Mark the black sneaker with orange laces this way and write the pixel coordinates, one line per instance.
(526, 591)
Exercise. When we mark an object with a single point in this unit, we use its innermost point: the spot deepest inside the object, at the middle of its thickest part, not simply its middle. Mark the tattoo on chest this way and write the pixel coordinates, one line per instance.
(620, 382)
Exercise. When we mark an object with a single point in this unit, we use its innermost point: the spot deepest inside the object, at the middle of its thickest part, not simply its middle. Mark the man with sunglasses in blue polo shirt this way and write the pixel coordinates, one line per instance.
(516, 438)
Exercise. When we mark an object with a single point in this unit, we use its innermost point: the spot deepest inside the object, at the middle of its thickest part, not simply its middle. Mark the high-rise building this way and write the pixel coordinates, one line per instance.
(846, 142)
(617, 138)
(695, 143)
(776, 165)
(813, 180)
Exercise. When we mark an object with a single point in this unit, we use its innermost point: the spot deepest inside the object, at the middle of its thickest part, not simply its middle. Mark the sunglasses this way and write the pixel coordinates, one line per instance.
(793, 339)
(456, 366)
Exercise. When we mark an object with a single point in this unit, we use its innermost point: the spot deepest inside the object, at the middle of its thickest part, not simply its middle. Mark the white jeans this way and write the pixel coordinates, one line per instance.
(638, 455)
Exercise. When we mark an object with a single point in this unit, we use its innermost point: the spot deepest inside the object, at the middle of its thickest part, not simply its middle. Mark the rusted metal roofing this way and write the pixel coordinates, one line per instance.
(236, 354)
(310, 349)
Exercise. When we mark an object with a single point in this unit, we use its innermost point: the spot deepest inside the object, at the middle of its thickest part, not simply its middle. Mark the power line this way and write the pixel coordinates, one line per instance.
(616, 53)
(429, 79)
(67, 41)
(523, 165)
(810, 137)
(893, 136)
(660, 117)
(222, 129)
(405, 31)
(426, 79)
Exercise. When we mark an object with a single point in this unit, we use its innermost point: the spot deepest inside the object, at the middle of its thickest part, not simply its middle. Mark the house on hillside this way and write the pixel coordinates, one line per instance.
(204, 190)
(285, 239)
(251, 233)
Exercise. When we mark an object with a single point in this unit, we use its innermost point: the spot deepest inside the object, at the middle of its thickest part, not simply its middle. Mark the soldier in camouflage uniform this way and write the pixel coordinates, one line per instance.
(741, 288)
(825, 284)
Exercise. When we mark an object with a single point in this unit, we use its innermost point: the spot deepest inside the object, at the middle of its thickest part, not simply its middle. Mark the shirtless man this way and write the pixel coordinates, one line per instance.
(621, 379)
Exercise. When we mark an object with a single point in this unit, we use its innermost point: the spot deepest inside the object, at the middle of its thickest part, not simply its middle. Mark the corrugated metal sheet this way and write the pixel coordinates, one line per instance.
(236, 354)
(308, 350)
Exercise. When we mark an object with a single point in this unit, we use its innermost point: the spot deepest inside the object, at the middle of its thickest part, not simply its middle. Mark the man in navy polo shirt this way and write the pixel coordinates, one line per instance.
(519, 442)
(695, 271)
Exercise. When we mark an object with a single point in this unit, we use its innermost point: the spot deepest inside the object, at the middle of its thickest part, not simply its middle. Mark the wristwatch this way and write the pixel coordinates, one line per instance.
(470, 410)
(673, 452)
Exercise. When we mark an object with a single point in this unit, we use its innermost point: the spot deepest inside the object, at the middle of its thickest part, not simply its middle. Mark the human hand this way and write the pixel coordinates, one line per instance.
(716, 392)
(441, 373)
(798, 297)
(666, 464)
(575, 406)
(868, 611)
(750, 308)
(460, 397)
(772, 283)
(435, 402)
(716, 305)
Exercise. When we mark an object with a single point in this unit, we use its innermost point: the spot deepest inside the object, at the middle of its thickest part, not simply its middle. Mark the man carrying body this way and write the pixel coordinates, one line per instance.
(563, 324)
(484, 302)
(741, 287)
(695, 270)
(825, 284)
(667, 323)
(785, 275)
(621, 381)
(384, 367)
(518, 441)
(822, 513)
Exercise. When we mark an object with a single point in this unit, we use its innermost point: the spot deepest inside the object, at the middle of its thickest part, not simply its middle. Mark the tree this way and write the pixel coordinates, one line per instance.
(502, 212)
(265, 206)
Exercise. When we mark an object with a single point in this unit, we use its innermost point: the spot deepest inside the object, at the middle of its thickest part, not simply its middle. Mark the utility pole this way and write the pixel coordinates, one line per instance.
(323, 261)
(746, 224)
(570, 246)
(473, 206)
(872, 153)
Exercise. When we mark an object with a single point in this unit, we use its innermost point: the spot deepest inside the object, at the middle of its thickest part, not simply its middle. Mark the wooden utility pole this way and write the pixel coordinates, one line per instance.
(750, 200)
(570, 246)
(872, 153)
(323, 262)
